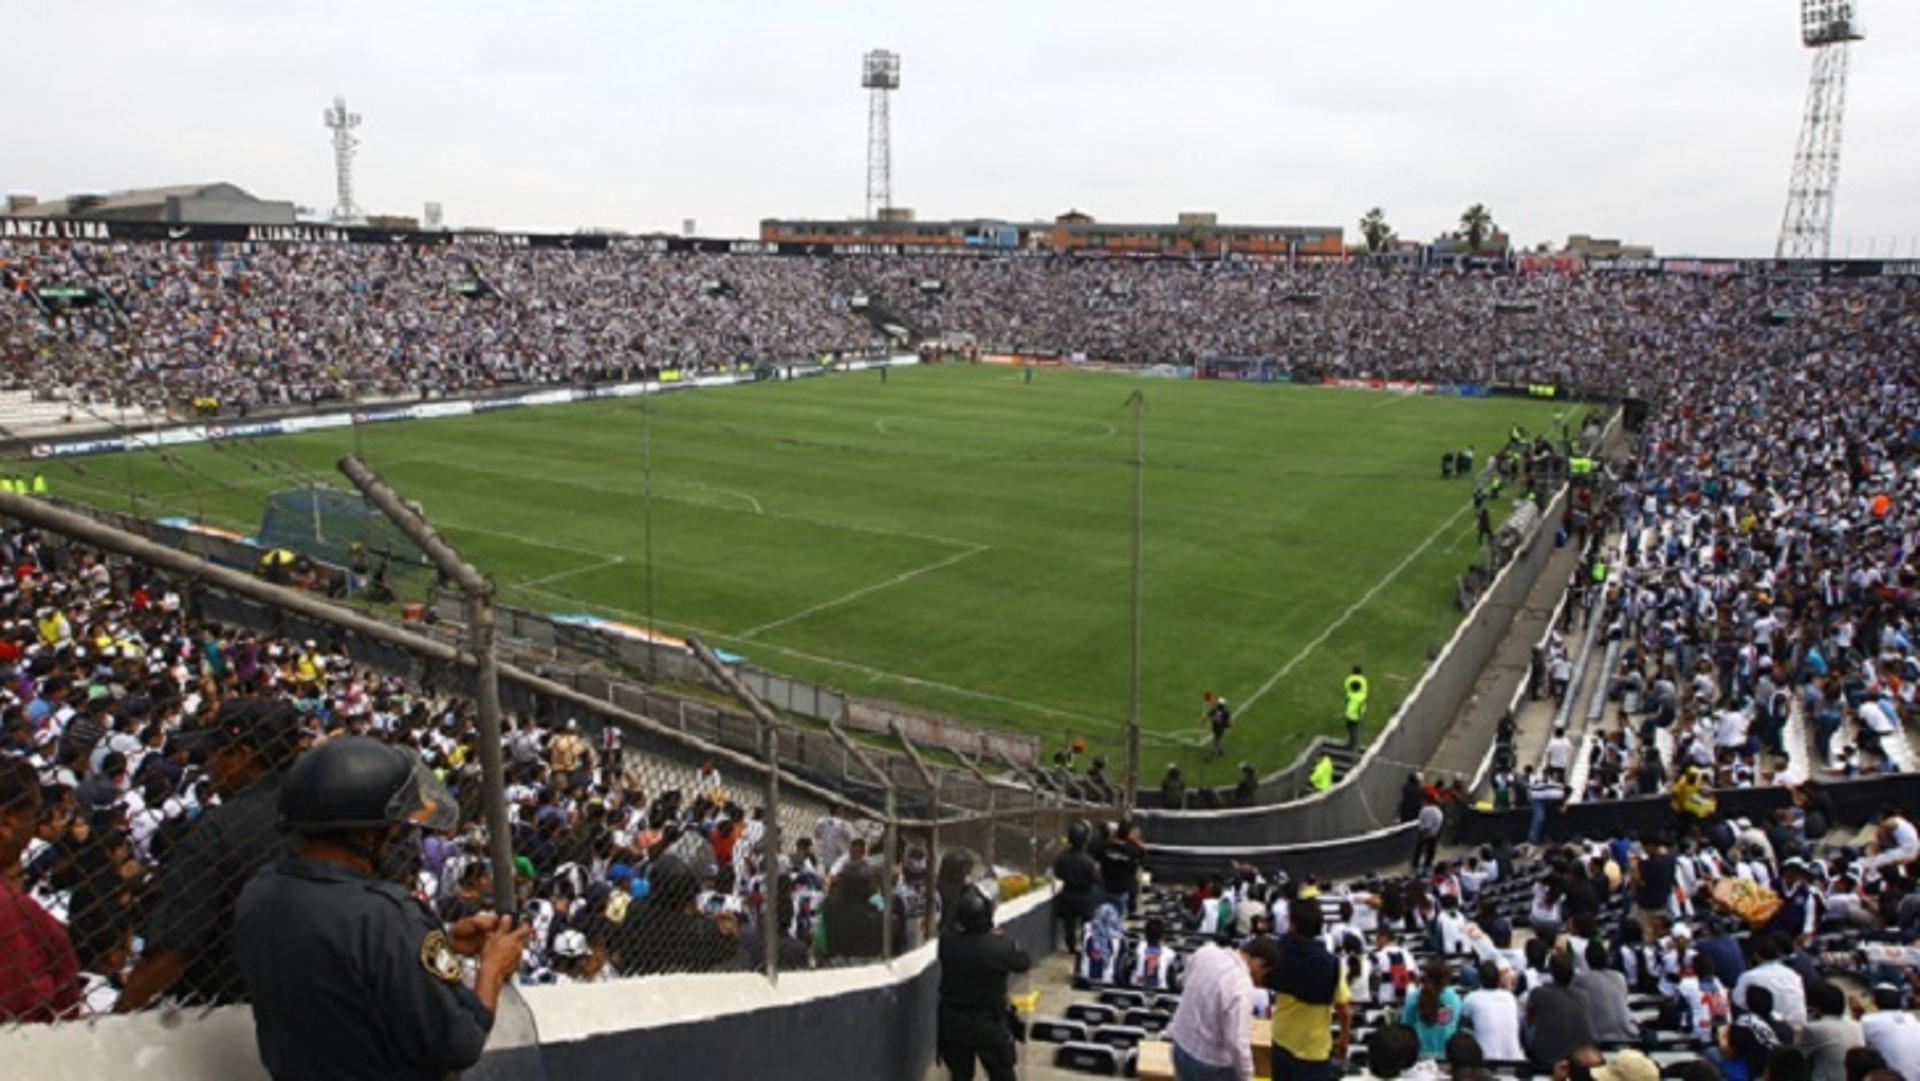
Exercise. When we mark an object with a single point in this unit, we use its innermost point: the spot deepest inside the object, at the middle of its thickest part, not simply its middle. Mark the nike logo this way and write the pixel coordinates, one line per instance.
(176, 234)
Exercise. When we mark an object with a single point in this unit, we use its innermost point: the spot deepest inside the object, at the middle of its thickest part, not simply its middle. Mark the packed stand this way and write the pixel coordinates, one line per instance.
(1763, 578)
(236, 326)
(1703, 957)
(142, 749)
(264, 324)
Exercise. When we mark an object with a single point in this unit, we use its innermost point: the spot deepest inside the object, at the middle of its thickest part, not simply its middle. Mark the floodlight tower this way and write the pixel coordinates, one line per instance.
(341, 123)
(880, 75)
(1806, 231)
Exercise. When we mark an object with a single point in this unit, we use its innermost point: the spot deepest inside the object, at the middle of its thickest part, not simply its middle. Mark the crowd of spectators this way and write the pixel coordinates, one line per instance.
(1763, 585)
(250, 325)
(141, 750)
(1760, 588)
(1555, 960)
(263, 324)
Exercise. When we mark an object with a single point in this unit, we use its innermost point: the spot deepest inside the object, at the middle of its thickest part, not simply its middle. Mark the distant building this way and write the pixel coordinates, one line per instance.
(1193, 233)
(1594, 247)
(181, 204)
(1494, 243)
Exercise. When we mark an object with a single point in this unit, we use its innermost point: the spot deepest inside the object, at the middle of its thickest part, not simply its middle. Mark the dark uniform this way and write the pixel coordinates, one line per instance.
(350, 976)
(973, 1003)
(200, 883)
(1079, 878)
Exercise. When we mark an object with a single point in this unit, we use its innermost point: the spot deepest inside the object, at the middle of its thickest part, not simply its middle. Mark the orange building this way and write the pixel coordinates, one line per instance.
(1192, 234)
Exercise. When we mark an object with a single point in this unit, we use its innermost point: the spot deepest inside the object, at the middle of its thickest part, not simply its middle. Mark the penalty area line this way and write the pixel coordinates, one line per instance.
(1352, 609)
(848, 598)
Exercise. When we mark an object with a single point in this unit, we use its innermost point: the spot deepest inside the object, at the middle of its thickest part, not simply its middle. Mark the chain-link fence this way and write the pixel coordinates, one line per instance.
(152, 704)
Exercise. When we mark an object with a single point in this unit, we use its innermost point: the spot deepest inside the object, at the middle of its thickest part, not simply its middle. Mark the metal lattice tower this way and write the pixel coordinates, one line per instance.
(1806, 231)
(342, 123)
(880, 75)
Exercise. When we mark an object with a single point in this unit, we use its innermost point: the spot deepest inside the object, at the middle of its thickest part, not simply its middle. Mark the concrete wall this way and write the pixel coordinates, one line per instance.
(874, 1021)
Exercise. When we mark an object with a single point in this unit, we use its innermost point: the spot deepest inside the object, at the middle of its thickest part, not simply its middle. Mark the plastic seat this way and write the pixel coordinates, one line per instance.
(1056, 1030)
(1093, 1013)
(1128, 1036)
(1093, 1058)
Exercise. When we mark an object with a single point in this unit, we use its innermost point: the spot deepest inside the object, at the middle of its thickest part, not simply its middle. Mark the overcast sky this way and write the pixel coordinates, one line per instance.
(1669, 122)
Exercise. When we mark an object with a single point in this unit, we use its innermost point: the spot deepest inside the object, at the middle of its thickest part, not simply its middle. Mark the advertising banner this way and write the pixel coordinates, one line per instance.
(183, 434)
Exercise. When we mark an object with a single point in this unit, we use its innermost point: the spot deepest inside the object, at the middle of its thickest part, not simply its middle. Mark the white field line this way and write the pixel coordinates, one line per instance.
(1365, 598)
(272, 483)
(734, 492)
(584, 569)
(1454, 544)
(836, 662)
(848, 598)
(531, 542)
(851, 527)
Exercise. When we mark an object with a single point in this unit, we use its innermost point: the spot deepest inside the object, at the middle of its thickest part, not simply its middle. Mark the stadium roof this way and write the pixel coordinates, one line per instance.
(118, 203)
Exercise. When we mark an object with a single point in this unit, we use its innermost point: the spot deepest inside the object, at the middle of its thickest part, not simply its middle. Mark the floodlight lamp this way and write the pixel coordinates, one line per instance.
(880, 70)
(1827, 22)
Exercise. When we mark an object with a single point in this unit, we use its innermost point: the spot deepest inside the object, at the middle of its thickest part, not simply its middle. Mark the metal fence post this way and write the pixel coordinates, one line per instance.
(493, 776)
(932, 782)
(993, 799)
(741, 691)
(892, 847)
(770, 928)
(480, 630)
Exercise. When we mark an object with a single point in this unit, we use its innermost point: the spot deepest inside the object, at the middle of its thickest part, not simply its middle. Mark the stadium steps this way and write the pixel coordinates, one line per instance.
(1344, 759)
(882, 316)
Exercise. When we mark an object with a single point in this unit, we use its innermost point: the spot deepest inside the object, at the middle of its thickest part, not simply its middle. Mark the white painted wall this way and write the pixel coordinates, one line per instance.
(218, 1045)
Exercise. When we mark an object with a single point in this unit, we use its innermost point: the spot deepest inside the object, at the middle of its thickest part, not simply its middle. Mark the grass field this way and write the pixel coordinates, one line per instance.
(953, 538)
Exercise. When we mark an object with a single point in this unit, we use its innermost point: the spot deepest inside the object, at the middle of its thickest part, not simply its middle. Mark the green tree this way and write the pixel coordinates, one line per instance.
(1379, 235)
(1476, 222)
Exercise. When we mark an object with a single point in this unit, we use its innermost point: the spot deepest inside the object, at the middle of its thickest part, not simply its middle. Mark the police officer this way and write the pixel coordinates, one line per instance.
(1248, 788)
(1079, 877)
(350, 976)
(1173, 790)
(1219, 718)
(975, 961)
(1356, 688)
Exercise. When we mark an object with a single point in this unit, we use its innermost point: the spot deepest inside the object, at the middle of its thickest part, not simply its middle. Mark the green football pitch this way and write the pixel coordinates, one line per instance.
(954, 538)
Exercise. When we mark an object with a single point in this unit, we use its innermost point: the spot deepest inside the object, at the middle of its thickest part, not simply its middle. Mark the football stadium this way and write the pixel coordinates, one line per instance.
(954, 539)
(896, 647)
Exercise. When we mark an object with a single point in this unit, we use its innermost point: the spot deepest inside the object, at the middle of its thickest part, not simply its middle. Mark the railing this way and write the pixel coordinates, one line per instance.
(637, 845)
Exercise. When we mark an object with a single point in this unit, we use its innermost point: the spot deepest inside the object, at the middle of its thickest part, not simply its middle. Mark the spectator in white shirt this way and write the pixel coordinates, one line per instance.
(1211, 1032)
(1494, 1016)
(1895, 839)
(1789, 993)
(1895, 1033)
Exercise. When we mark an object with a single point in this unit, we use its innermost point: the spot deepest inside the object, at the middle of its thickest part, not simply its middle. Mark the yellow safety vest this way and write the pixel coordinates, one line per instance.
(1322, 777)
(1356, 697)
(39, 484)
